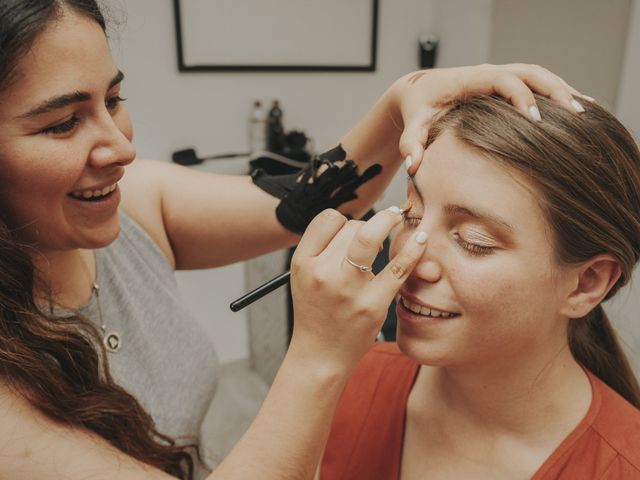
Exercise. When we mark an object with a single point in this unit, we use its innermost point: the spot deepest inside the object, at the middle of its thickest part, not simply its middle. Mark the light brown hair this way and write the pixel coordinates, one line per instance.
(587, 170)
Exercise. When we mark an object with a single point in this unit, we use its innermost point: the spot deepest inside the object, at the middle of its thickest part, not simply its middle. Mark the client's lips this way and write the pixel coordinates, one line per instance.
(426, 310)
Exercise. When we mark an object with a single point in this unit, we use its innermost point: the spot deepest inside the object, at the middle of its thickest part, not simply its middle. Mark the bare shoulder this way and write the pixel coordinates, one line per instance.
(34, 446)
(142, 199)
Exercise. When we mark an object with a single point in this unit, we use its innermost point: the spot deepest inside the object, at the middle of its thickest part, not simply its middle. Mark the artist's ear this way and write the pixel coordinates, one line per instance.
(592, 282)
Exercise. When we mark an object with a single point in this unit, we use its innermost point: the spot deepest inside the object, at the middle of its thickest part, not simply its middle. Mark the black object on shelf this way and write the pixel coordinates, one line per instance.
(275, 129)
(294, 147)
(189, 157)
(428, 51)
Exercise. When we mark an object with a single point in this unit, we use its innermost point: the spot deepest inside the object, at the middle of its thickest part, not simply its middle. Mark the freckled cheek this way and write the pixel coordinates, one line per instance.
(487, 290)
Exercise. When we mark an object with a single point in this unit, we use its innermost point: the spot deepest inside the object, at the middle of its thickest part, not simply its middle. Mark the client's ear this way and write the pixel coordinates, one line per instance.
(594, 279)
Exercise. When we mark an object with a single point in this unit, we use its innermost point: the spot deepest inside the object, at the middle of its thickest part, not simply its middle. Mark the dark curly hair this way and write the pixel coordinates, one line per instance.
(59, 365)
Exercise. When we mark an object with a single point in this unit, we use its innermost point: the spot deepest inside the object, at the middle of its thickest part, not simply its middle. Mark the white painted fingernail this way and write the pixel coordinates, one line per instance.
(395, 209)
(577, 105)
(587, 97)
(535, 113)
(408, 161)
(421, 237)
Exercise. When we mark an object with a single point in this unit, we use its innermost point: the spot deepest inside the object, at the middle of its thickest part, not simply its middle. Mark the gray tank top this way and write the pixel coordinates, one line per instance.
(166, 359)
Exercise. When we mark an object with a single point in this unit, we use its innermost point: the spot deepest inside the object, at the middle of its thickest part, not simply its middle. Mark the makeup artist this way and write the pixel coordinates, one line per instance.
(103, 373)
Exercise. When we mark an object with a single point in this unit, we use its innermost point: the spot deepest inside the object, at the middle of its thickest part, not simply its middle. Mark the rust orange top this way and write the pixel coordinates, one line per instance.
(367, 431)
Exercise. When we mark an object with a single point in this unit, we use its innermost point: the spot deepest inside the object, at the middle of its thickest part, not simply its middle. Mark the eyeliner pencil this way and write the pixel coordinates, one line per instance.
(260, 292)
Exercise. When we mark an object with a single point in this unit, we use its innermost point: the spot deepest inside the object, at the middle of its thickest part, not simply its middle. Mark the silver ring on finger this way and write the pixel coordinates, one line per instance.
(362, 268)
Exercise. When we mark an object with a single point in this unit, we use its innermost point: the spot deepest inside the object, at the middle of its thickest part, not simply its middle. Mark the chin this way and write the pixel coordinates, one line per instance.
(423, 351)
(102, 236)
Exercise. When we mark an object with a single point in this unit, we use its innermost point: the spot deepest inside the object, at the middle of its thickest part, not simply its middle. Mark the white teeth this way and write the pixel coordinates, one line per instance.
(425, 311)
(414, 308)
(87, 194)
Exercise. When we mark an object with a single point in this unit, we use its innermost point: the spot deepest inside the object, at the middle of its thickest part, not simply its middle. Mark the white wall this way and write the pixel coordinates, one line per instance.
(464, 29)
(209, 111)
(580, 40)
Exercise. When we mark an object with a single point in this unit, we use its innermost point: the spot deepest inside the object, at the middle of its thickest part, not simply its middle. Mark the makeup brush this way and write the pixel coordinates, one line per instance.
(278, 281)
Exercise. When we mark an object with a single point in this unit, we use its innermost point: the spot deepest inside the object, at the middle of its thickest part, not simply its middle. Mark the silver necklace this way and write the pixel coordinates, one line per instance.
(111, 339)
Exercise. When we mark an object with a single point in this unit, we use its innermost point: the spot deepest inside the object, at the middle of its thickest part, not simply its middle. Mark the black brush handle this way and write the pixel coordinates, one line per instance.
(260, 292)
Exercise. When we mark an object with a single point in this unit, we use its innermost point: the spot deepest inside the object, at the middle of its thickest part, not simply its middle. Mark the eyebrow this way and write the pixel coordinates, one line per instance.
(468, 212)
(67, 99)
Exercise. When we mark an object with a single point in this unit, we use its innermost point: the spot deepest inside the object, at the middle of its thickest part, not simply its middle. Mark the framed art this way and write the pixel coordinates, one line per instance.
(276, 35)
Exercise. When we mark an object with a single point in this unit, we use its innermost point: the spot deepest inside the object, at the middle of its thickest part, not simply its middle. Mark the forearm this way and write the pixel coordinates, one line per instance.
(287, 437)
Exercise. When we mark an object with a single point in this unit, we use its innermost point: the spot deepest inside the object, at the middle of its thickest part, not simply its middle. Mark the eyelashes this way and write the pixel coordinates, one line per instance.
(471, 248)
(68, 125)
(412, 221)
(63, 127)
(113, 102)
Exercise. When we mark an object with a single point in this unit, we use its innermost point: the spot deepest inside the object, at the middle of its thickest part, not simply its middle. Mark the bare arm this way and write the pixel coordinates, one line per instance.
(33, 446)
(283, 442)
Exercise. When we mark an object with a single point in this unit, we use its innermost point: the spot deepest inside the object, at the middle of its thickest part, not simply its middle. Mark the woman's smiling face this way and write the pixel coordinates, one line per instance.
(489, 265)
(64, 139)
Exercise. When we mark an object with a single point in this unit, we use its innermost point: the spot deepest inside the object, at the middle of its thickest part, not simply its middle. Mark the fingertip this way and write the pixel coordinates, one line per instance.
(421, 237)
(534, 113)
(577, 106)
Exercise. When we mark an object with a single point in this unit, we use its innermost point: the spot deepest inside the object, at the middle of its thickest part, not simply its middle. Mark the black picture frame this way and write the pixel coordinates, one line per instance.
(183, 66)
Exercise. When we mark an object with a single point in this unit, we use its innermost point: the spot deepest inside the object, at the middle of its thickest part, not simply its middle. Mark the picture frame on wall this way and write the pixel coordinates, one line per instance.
(276, 35)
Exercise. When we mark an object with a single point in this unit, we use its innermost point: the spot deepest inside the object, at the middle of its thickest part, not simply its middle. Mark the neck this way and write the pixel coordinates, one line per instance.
(529, 396)
(64, 277)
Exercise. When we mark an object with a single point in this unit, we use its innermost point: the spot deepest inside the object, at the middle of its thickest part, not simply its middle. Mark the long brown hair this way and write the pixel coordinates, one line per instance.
(59, 365)
(587, 171)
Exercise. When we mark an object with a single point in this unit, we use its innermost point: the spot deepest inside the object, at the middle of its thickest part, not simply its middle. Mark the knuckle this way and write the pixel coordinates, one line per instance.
(296, 265)
(365, 242)
(363, 308)
(398, 269)
(319, 279)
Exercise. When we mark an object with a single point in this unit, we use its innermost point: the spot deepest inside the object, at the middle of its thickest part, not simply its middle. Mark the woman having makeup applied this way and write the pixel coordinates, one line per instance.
(506, 365)
(103, 372)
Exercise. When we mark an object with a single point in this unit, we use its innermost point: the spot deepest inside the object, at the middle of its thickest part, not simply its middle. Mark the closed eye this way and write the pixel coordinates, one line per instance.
(473, 248)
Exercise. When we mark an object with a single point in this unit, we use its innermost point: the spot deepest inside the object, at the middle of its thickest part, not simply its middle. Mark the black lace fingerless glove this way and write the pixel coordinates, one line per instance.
(305, 194)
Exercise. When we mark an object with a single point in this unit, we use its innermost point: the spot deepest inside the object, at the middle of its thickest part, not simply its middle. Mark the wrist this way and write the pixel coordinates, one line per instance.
(321, 365)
